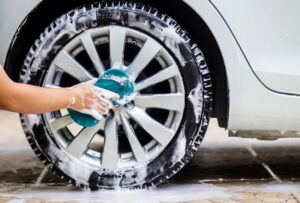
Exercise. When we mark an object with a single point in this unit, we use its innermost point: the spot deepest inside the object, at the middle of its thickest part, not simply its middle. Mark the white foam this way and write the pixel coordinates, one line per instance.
(165, 193)
(117, 79)
(196, 99)
(180, 149)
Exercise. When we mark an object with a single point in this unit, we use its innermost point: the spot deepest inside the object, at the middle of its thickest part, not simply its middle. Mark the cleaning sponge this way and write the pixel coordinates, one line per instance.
(115, 80)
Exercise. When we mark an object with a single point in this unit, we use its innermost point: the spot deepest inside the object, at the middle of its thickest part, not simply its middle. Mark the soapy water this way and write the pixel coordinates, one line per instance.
(120, 80)
(164, 193)
(196, 99)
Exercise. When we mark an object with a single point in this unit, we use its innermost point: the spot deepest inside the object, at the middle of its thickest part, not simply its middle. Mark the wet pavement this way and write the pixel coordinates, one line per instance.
(223, 170)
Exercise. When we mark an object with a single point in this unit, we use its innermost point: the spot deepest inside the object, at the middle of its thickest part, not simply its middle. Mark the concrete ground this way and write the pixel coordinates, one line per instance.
(223, 170)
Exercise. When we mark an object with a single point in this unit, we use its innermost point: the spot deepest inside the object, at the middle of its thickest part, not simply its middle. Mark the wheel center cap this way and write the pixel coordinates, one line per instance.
(115, 80)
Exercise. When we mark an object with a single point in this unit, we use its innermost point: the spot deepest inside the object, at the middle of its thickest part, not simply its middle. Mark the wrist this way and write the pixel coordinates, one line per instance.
(70, 98)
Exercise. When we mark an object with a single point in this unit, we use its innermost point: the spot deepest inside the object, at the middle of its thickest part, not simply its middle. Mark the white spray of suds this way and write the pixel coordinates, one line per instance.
(33, 119)
(117, 79)
(41, 52)
(172, 41)
(196, 98)
(16, 201)
(164, 193)
(94, 112)
(180, 149)
(126, 99)
(70, 165)
(73, 101)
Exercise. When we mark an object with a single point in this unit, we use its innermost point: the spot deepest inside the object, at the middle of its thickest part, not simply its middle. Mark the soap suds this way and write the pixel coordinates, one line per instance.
(126, 99)
(70, 165)
(164, 193)
(196, 98)
(180, 148)
(172, 41)
(120, 80)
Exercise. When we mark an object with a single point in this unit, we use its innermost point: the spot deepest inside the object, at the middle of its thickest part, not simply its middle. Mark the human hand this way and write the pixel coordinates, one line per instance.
(89, 99)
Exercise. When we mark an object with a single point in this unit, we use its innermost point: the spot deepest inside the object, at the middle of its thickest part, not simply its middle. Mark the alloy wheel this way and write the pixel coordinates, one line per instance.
(134, 133)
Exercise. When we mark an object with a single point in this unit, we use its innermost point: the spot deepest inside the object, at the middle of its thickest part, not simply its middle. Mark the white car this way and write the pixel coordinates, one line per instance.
(237, 61)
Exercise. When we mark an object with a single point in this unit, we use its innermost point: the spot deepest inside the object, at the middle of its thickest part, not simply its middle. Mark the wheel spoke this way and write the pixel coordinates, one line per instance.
(158, 77)
(158, 131)
(69, 65)
(90, 48)
(81, 142)
(146, 54)
(117, 46)
(136, 147)
(161, 101)
(61, 122)
(52, 86)
(110, 155)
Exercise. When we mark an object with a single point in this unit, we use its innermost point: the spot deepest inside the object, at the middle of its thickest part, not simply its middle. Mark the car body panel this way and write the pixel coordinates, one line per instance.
(252, 105)
(268, 32)
(12, 13)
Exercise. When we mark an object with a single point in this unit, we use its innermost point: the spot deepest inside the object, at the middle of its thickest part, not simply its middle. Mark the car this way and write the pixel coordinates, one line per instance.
(190, 60)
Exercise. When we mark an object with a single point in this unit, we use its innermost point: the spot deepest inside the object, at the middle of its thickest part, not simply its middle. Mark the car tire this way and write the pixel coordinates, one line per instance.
(193, 75)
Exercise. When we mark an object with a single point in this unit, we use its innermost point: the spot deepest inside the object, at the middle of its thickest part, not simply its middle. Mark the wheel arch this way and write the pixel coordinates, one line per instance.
(38, 19)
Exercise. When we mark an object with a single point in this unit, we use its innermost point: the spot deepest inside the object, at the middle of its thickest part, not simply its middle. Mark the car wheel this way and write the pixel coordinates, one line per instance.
(142, 143)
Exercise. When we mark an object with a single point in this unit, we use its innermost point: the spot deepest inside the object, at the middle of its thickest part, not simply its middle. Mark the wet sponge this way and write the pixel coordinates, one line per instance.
(115, 80)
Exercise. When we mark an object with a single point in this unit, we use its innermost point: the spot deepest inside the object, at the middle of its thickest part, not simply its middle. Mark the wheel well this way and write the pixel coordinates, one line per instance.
(39, 18)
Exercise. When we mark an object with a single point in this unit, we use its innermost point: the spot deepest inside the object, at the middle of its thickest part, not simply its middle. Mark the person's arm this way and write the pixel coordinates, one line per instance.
(29, 99)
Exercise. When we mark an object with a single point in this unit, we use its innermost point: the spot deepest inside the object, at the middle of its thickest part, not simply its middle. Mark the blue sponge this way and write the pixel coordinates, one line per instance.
(115, 80)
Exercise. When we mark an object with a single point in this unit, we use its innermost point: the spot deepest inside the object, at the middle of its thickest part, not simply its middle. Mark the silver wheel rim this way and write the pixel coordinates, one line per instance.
(131, 118)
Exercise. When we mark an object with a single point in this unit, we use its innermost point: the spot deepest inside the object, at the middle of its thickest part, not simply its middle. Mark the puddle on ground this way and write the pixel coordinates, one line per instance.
(164, 193)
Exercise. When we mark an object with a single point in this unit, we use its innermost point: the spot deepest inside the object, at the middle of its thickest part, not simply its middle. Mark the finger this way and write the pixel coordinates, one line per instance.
(107, 94)
(89, 102)
(98, 98)
(112, 95)
(106, 108)
(116, 96)
(102, 109)
(104, 102)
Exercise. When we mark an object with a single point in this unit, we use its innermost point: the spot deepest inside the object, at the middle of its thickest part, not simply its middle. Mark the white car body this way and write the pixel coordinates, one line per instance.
(260, 45)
